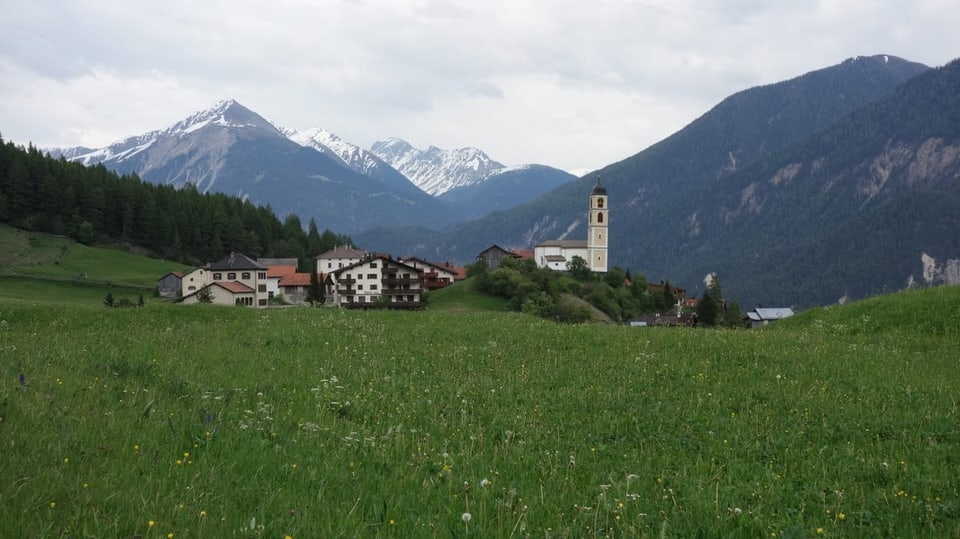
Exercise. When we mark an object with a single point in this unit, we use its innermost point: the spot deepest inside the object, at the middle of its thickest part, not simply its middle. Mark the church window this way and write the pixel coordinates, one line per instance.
(599, 217)
(599, 202)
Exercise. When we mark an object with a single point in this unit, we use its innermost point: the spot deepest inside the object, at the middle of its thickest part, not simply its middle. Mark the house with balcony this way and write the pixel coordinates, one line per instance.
(375, 282)
(432, 276)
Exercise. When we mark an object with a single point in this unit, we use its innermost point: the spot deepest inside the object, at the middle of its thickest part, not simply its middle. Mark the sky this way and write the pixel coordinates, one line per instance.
(572, 84)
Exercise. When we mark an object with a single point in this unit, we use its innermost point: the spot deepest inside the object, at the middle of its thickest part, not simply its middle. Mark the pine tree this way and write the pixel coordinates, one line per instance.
(315, 292)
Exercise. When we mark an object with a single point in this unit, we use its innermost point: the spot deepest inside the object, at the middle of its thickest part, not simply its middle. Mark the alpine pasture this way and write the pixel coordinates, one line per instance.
(204, 421)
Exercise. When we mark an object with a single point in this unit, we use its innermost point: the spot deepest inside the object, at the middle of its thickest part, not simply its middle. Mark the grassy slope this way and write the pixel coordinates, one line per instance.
(228, 422)
(463, 297)
(29, 261)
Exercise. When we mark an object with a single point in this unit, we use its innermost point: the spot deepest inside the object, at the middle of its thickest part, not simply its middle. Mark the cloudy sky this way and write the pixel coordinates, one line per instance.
(576, 85)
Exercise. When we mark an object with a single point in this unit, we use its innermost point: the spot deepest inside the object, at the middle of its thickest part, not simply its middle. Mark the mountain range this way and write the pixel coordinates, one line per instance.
(317, 175)
(833, 185)
(723, 195)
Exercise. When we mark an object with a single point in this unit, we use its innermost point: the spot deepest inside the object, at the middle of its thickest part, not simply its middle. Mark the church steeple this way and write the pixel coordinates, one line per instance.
(597, 239)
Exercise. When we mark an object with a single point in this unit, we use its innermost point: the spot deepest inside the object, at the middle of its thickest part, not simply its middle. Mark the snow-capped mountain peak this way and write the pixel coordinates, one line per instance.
(226, 113)
(435, 170)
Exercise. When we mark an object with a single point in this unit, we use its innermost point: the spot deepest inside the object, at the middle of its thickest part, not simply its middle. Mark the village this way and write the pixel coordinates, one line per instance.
(353, 278)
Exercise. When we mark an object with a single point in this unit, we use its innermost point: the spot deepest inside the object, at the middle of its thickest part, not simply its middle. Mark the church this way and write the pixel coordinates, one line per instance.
(557, 254)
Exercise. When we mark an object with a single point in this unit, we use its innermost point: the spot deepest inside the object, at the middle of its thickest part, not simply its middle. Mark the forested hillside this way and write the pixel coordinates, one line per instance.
(98, 207)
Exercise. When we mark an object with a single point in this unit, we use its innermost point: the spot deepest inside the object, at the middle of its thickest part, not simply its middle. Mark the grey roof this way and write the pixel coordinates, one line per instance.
(567, 244)
(770, 313)
(342, 251)
(236, 261)
(278, 261)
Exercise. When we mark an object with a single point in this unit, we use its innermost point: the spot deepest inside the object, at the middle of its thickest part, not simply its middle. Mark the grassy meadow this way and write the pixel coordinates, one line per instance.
(43, 267)
(205, 421)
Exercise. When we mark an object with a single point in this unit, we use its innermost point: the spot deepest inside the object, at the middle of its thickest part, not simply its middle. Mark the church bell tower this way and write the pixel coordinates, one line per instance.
(597, 238)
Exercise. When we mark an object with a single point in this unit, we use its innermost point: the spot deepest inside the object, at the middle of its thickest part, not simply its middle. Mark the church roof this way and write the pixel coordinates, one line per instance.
(598, 189)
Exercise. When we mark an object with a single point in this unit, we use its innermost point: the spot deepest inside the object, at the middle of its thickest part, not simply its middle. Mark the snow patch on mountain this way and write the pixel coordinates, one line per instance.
(329, 143)
(226, 113)
(435, 170)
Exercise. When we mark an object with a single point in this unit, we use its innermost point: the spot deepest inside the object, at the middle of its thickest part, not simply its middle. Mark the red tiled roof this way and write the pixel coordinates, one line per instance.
(524, 254)
(295, 279)
(280, 271)
(235, 286)
(459, 272)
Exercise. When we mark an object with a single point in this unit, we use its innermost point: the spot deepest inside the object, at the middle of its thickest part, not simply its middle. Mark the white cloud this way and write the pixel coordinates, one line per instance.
(564, 83)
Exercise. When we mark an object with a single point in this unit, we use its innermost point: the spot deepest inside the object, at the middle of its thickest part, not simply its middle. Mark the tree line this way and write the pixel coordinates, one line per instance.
(98, 207)
(617, 293)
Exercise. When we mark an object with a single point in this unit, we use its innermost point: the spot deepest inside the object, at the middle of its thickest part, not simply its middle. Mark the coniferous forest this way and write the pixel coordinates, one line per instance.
(98, 207)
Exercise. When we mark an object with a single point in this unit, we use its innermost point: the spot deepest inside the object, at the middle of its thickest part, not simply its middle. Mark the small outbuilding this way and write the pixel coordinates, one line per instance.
(762, 316)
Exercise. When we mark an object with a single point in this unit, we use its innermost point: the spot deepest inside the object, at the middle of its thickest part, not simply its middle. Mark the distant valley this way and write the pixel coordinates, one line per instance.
(834, 185)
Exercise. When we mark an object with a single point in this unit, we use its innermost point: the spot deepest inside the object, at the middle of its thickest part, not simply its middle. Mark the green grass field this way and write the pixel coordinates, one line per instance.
(204, 421)
(44, 257)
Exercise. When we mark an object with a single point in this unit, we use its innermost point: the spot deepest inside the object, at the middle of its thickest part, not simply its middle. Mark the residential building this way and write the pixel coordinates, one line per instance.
(233, 268)
(225, 293)
(339, 257)
(432, 276)
(193, 280)
(375, 282)
(277, 269)
(294, 287)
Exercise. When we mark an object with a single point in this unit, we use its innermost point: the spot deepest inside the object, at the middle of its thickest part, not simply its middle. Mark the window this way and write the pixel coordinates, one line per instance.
(373, 265)
(217, 276)
(599, 217)
(359, 287)
(261, 275)
(231, 276)
(373, 287)
(191, 287)
(245, 275)
(263, 303)
(262, 288)
(329, 265)
(599, 202)
(371, 276)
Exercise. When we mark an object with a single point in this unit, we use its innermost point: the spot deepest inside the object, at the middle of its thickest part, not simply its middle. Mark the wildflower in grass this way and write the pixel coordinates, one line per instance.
(819, 531)
(23, 380)
(203, 513)
(53, 505)
(66, 460)
(150, 523)
(466, 518)
(484, 483)
(841, 516)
